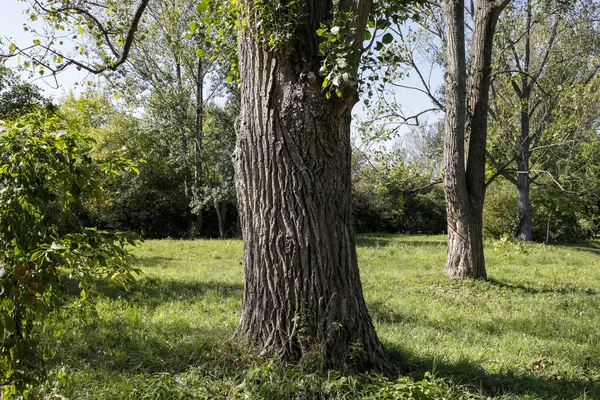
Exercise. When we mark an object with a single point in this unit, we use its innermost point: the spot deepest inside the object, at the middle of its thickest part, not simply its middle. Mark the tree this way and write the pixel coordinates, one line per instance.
(219, 188)
(544, 95)
(18, 98)
(169, 74)
(150, 202)
(467, 98)
(302, 292)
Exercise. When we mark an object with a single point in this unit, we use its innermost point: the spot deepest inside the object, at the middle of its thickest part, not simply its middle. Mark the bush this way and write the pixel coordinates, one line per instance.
(44, 172)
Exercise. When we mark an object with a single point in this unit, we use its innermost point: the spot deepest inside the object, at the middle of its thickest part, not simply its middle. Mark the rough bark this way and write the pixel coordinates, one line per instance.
(302, 290)
(466, 134)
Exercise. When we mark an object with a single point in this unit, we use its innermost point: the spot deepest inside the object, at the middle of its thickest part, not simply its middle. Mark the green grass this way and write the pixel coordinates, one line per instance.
(530, 332)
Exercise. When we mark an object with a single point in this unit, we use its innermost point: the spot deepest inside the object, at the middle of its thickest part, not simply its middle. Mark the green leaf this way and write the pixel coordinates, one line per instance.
(387, 38)
(203, 6)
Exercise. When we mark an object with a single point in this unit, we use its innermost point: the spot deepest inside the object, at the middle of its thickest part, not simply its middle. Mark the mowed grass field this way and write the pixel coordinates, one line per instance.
(531, 331)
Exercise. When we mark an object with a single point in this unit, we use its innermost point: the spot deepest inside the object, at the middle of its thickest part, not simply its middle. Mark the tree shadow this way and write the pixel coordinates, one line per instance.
(152, 292)
(533, 290)
(470, 374)
(373, 241)
(151, 289)
(127, 344)
(393, 240)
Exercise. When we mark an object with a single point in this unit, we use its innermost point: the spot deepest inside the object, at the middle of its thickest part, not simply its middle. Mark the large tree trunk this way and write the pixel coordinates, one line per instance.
(466, 132)
(302, 291)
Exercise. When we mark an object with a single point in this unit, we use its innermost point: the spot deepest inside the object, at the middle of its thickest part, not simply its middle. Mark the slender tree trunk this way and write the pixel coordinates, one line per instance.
(302, 291)
(198, 141)
(466, 134)
(187, 179)
(524, 232)
(183, 142)
(221, 209)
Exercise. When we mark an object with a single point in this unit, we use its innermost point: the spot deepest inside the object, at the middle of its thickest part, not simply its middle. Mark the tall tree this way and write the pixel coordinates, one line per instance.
(302, 291)
(169, 74)
(544, 94)
(467, 98)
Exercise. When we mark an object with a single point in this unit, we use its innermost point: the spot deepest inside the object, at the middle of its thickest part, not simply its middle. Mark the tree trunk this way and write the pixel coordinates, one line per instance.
(198, 141)
(221, 209)
(466, 131)
(524, 232)
(302, 290)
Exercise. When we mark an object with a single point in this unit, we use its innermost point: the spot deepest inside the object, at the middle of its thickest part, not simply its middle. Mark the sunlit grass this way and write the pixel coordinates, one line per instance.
(532, 330)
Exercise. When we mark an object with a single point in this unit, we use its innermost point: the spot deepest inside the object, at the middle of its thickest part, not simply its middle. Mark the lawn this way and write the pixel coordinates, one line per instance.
(530, 332)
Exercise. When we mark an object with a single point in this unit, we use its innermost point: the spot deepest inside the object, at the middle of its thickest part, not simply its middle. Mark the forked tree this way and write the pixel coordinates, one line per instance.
(302, 291)
(467, 103)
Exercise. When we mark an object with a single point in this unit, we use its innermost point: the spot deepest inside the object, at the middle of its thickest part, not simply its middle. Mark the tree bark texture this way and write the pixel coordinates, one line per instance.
(302, 290)
(466, 133)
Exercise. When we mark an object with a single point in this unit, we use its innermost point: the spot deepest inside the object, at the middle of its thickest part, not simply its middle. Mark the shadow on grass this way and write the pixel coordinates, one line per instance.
(533, 290)
(151, 261)
(132, 344)
(383, 241)
(149, 289)
(125, 343)
(496, 384)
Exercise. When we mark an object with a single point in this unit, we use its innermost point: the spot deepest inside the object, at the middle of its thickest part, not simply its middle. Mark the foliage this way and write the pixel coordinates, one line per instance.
(277, 23)
(18, 98)
(45, 171)
(564, 217)
(149, 200)
(95, 36)
(338, 56)
(394, 196)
